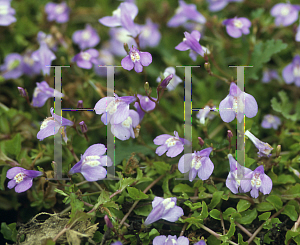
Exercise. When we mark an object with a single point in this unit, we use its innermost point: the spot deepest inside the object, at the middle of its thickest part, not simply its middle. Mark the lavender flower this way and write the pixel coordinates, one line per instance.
(83, 127)
(21, 178)
(257, 181)
(191, 41)
(236, 104)
(114, 109)
(12, 67)
(52, 125)
(206, 112)
(164, 209)
(184, 13)
(171, 240)
(268, 75)
(29, 66)
(86, 59)
(270, 121)
(42, 93)
(285, 13)
(105, 58)
(291, 73)
(22, 92)
(264, 149)
(124, 130)
(173, 145)
(201, 242)
(87, 38)
(122, 16)
(297, 37)
(58, 12)
(174, 81)
(119, 36)
(48, 39)
(108, 222)
(217, 5)
(117, 243)
(197, 162)
(6, 13)
(236, 174)
(92, 162)
(149, 34)
(146, 104)
(237, 26)
(164, 83)
(45, 57)
(136, 59)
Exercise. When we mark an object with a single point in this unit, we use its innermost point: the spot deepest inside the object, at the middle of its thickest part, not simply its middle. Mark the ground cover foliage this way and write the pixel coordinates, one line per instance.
(104, 211)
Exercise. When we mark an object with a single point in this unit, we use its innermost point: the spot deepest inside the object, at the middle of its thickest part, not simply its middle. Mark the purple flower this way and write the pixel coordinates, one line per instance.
(42, 93)
(83, 127)
(124, 130)
(114, 109)
(29, 66)
(237, 26)
(191, 41)
(174, 81)
(52, 125)
(268, 75)
(146, 104)
(236, 174)
(136, 59)
(164, 209)
(257, 181)
(171, 240)
(22, 92)
(291, 73)
(21, 178)
(217, 5)
(108, 222)
(270, 121)
(285, 13)
(236, 104)
(105, 58)
(264, 149)
(206, 112)
(87, 38)
(119, 36)
(149, 34)
(122, 16)
(184, 13)
(86, 59)
(92, 162)
(48, 39)
(44, 56)
(58, 12)
(6, 13)
(116, 243)
(173, 145)
(297, 37)
(12, 67)
(197, 162)
(201, 242)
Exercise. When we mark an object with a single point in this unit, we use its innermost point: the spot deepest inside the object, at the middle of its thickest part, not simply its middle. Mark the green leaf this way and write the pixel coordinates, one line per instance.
(61, 192)
(3, 177)
(275, 201)
(193, 206)
(231, 230)
(213, 240)
(269, 224)
(161, 167)
(183, 188)
(204, 211)
(247, 216)
(290, 211)
(264, 216)
(292, 192)
(13, 146)
(257, 13)
(228, 212)
(262, 53)
(243, 205)
(9, 231)
(215, 214)
(153, 233)
(136, 194)
(215, 199)
(285, 179)
(264, 206)
(144, 210)
(122, 184)
(291, 234)
(240, 240)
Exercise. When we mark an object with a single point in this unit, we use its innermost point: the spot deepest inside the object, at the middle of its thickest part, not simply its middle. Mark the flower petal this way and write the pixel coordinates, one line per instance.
(231, 183)
(11, 173)
(251, 106)
(287, 74)
(184, 163)
(11, 184)
(76, 168)
(24, 185)
(95, 150)
(175, 150)
(254, 192)
(161, 139)
(266, 185)
(173, 214)
(161, 150)
(127, 63)
(93, 173)
(226, 112)
(206, 169)
(159, 240)
(52, 128)
(146, 58)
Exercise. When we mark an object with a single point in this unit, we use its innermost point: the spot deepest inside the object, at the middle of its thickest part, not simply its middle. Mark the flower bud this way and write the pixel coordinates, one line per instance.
(126, 48)
(108, 222)
(80, 104)
(207, 66)
(164, 83)
(278, 150)
(201, 141)
(83, 127)
(146, 86)
(22, 92)
(229, 135)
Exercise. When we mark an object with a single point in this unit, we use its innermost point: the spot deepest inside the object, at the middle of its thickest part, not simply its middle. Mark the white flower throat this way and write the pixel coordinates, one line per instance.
(46, 121)
(112, 106)
(91, 160)
(196, 162)
(3, 10)
(238, 105)
(85, 56)
(256, 180)
(127, 123)
(19, 177)
(168, 203)
(86, 35)
(296, 71)
(135, 56)
(285, 11)
(171, 141)
(238, 24)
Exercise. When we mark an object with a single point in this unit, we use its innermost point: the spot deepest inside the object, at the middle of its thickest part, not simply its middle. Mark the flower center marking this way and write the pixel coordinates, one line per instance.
(168, 203)
(270, 119)
(135, 56)
(117, 13)
(238, 24)
(19, 177)
(146, 99)
(59, 9)
(285, 11)
(171, 141)
(256, 181)
(196, 162)
(86, 35)
(46, 121)
(91, 161)
(127, 123)
(3, 10)
(238, 106)
(296, 71)
(86, 56)
(112, 106)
